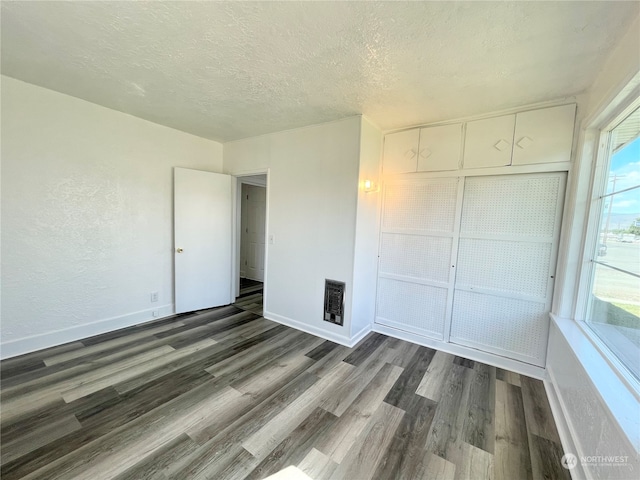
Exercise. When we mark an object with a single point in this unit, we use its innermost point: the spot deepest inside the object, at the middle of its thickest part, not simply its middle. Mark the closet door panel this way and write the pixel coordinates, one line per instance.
(417, 256)
(512, 205)
(417, 241)
(427, 206)
(506, 262)
(412, 307)
(508, 327)
(507, 267)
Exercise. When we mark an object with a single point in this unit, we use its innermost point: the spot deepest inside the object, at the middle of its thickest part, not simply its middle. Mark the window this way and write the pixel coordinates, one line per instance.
(613, 310)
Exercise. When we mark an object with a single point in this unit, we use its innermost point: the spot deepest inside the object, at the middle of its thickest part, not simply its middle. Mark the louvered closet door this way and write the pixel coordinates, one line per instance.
(418, 238)
(506, 261)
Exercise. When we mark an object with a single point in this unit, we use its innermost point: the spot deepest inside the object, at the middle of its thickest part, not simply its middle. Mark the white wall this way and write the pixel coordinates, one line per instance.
(596, 407)
(312, 197)
(365, 256)
(593, 407)
(87, 209)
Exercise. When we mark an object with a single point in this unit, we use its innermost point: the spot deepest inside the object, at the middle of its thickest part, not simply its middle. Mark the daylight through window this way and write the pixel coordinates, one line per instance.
(614, 303)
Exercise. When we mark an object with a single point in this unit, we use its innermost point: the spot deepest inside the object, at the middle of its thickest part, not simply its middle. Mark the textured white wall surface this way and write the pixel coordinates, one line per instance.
(603, 413)
(230, 70)
(621, 65)
(87, 214)
(313, 187)
(365, 260)
(594, 430)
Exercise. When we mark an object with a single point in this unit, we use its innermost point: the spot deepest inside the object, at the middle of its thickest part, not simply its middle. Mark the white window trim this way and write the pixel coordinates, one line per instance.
(618, 389)
(598, 177)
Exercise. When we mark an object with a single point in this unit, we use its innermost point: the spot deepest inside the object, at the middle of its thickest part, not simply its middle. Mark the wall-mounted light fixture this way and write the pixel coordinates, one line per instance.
(369, 186)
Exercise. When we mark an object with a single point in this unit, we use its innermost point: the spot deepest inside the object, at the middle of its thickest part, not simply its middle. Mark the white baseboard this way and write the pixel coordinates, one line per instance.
(360, 335)
(78, 332)
(565, 430)
(313, 330)
(466, 352)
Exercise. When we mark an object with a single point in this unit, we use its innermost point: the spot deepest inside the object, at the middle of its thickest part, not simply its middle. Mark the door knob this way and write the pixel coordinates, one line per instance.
(179, 250)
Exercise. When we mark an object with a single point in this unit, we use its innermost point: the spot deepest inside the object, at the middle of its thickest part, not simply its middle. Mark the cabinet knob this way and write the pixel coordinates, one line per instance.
(179, 250)
(501, 145)
(524, 142)
(425, 153)
(410, 154)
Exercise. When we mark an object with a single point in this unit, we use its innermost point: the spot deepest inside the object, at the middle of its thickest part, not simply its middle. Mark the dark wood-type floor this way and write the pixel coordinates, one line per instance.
(225, 394)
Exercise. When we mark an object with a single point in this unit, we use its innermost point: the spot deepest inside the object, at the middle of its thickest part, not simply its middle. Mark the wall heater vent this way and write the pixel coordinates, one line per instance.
(334, 301)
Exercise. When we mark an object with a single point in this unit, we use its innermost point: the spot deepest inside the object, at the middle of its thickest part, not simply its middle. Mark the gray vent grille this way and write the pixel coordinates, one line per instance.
(334, 301)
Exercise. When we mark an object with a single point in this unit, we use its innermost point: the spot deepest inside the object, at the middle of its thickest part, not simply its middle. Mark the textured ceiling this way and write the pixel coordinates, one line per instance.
(229, 70)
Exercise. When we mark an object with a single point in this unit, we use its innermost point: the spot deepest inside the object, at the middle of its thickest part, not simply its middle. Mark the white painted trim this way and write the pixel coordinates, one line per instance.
(411, 329)
(616, 396)
(80, 332)
(360, 335)
(563, 423)
(466, 352)
(255, 183)
(318, 332)
(235, 229)
(509, 111)
(481, 172)
(503, 353)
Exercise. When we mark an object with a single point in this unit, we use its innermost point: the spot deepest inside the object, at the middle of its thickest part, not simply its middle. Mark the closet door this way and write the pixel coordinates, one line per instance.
(417, 247)
(506, 263)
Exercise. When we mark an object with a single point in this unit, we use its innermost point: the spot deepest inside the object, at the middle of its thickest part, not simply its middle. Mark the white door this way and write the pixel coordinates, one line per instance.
(256, 211)
(440, 148)
(418, 244)
(488, 142)
(509, 236)
(401, 152)
(544, 136)
(202, 239)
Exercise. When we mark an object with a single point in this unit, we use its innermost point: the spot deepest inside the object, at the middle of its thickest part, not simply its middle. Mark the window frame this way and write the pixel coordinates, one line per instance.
(598, 181)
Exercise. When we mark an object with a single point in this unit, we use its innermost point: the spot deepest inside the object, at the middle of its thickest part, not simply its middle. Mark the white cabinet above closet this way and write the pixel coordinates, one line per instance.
(532, 137)
(544, 136)
(488, 142)
(440, 148)
(536, 136)
(429, 149)
(401, 152)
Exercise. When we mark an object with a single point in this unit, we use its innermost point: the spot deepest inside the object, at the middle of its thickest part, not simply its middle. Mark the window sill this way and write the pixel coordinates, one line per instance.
(618, 390)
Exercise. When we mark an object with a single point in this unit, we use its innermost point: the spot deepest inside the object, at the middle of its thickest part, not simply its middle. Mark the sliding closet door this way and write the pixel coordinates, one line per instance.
(417, 245)
(506, 263)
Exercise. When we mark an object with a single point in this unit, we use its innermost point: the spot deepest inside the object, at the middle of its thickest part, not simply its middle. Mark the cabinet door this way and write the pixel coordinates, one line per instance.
(507, 250)
(417, 245)
(401, 152)
(440, 148)
(544, 136)
(488, 143)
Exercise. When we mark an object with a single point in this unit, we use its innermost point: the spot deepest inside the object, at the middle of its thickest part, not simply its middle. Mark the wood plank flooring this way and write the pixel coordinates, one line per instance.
(250, 298)
(226, 394)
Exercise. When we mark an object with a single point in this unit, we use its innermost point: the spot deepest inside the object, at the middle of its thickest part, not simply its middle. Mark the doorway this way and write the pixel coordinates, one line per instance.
(251, 240)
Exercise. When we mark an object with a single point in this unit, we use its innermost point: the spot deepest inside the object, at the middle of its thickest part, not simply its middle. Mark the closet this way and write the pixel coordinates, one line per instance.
(470, 260)
(470, 228)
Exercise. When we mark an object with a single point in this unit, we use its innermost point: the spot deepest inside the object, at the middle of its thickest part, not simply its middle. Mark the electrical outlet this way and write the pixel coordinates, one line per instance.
(154, 296)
